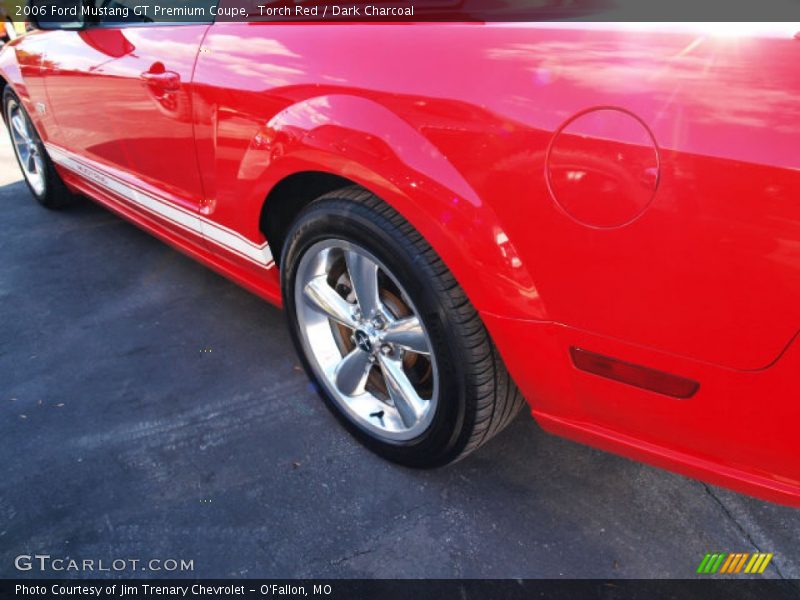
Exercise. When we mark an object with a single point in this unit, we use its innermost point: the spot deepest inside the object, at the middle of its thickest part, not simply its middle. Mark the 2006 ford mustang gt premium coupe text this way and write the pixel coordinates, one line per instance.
(602, 219)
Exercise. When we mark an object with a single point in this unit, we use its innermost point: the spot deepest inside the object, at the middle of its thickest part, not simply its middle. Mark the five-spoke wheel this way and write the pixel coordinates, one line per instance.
(366, 339)
(40, 174)
(396, 350)
(26, 147)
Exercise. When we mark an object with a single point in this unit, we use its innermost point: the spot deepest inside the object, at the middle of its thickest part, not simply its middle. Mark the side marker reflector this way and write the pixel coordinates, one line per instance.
(636, 375)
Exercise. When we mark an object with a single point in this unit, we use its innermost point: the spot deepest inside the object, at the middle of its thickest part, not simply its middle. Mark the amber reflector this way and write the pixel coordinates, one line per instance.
(625, 372)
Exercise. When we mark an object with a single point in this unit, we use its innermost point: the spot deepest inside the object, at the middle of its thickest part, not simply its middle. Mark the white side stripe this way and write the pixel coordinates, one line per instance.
(214, 232)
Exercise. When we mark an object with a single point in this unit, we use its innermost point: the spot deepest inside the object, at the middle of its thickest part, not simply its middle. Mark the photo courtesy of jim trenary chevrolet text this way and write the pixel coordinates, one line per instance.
(377, 299)
(123, 590)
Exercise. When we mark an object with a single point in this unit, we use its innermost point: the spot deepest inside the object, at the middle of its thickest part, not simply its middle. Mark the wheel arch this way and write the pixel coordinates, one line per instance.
(11, 77)
(3, 85)
(10, 72)
(288, 197)
(321, 144)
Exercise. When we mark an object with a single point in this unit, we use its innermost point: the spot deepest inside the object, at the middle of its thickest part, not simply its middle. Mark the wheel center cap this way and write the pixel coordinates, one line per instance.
(363, 341)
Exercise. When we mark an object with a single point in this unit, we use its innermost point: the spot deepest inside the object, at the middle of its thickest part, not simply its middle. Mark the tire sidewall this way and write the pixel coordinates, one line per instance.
(8, 97)
(331, 218)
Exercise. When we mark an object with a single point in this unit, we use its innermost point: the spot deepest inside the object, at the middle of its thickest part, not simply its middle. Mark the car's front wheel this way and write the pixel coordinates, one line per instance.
(39, 171)
(396, 349)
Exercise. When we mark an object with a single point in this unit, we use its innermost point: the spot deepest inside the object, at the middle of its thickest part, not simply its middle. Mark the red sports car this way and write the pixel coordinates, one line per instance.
(603, 219)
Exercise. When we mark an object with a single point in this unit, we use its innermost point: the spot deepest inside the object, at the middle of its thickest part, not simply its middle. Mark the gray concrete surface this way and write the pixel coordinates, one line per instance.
(121, 438)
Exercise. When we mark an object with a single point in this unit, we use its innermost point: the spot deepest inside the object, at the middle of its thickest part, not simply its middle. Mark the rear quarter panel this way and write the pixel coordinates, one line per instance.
(452, 124)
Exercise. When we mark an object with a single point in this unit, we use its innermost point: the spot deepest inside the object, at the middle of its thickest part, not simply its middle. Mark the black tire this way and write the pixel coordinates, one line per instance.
(477, 397)
(55, 194)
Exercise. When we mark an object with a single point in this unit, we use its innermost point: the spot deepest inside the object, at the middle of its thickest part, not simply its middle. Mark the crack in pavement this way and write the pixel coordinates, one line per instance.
(373, 542)
(741, 528)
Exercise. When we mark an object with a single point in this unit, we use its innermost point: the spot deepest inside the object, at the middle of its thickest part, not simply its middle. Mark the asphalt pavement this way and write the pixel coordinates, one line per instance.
(150, 408)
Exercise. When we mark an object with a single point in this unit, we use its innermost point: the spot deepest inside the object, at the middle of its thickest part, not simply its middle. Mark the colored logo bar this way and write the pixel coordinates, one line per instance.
(741, 562)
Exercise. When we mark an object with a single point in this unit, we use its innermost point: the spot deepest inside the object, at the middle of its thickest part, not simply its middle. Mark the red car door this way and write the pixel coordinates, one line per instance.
(123, 99)
(81, 97)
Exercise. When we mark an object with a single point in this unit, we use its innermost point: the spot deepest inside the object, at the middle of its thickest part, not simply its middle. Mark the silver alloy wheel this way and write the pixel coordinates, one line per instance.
(26, 148)
(365, 341)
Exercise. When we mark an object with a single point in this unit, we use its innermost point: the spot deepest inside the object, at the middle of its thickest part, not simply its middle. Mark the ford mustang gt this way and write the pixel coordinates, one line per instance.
(601, 222)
